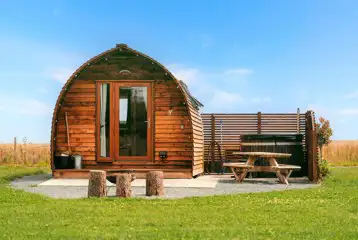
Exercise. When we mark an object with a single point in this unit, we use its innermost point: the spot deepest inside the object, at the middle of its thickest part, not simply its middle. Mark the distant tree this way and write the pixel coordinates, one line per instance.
(324, 133)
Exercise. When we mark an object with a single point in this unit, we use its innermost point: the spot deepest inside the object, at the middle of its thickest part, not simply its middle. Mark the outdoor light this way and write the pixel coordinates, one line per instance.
(182, 126)
(125, 72)
(163, 155)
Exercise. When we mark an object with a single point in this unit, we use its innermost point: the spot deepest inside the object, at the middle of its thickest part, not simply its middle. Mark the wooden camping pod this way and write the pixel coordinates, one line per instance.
(173, 119)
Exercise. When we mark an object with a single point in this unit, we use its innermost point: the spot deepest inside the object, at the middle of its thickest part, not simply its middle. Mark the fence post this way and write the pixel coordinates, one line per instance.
(259, 123)
(314, 150)
(311, 147)
(298, 121)
(212, 142)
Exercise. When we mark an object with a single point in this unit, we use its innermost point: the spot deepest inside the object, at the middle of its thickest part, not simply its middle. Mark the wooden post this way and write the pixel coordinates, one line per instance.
(154, 183)
(311, 147)
(212, 143)
(314, 150)
(123, 185)
(259, 123)
(97, 183)
(308, 146)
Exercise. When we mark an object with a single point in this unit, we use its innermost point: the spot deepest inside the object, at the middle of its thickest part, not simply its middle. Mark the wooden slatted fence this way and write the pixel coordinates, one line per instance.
(227, 129)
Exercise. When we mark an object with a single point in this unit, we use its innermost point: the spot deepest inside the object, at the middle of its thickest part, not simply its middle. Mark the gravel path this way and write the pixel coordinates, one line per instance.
(225, 185)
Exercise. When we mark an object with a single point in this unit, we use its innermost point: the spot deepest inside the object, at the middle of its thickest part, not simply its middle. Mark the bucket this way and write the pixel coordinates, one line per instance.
(63, 162)
(78, 161)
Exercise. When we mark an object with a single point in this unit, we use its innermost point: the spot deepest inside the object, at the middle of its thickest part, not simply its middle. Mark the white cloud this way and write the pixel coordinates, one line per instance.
(188, 75)
(195, 75)
(238, 72)
(223, 99)
(24, 106)
(317, 109)
(349, 112)
(351, 95)
(62, 74)
(217, 90)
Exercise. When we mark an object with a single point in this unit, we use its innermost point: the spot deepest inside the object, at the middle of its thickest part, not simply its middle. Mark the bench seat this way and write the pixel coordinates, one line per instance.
(286, 167)
(237, 165)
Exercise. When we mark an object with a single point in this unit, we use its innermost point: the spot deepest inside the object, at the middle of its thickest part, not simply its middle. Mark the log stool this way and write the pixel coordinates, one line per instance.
(97, 183)
(154, 183)
(123, 185)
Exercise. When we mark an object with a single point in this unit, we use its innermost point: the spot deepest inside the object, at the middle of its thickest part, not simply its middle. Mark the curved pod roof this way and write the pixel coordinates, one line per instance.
(119, 47)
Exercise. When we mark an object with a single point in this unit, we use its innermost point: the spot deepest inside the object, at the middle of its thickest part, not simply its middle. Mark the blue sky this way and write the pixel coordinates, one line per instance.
(236, 56)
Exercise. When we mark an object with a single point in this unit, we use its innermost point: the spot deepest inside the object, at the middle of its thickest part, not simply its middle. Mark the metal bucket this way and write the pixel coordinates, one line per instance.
(78, 161)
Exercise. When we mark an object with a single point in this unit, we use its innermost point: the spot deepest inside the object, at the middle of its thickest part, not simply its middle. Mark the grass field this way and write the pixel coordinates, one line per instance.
(326, 212)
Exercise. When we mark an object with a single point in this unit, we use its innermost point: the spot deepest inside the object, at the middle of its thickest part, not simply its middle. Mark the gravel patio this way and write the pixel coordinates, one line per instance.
(174, 188)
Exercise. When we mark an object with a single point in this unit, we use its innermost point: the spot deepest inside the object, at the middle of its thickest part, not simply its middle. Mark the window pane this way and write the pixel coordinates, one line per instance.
(133, 121)
(104, 120)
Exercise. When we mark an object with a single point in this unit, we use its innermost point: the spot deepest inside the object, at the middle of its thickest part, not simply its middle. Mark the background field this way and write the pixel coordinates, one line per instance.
(27, 154)
(342, 153)
(338, 153)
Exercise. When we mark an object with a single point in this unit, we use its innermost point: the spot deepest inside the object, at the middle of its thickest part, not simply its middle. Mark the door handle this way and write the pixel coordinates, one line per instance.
(148, 122)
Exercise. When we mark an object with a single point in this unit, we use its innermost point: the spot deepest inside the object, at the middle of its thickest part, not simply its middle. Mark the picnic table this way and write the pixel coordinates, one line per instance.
(240, 169)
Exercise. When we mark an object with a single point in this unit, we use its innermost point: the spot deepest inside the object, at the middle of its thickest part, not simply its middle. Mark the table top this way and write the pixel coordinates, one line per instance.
(119, 170)
(263, 154)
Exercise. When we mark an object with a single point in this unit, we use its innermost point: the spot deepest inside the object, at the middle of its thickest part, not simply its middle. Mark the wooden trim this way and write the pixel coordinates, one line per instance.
(154, 121)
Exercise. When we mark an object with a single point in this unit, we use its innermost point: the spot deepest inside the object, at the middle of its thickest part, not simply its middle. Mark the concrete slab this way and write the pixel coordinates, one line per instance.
(200, 182)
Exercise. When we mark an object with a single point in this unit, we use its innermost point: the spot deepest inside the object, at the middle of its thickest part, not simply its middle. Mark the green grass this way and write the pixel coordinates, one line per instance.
(326, 212)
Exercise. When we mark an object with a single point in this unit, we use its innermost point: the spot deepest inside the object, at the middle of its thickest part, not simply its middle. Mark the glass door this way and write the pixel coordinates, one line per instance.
(133, 121)
(130, 114)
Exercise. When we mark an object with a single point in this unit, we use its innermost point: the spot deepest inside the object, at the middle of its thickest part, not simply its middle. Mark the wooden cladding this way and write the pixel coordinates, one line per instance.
(176, 125)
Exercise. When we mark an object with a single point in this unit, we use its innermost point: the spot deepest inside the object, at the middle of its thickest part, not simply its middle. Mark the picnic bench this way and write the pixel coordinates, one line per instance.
(240, 169)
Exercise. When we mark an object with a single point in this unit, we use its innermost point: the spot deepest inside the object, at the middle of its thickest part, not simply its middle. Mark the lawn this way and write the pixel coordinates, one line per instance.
(326, 212)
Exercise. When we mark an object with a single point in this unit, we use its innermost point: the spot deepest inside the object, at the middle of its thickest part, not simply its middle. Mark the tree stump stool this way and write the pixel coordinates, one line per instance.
(154, 183)
(123, 185)
(97, 183)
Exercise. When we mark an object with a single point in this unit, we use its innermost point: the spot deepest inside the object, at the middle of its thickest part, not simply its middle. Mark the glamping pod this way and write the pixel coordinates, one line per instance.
(124, 110)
